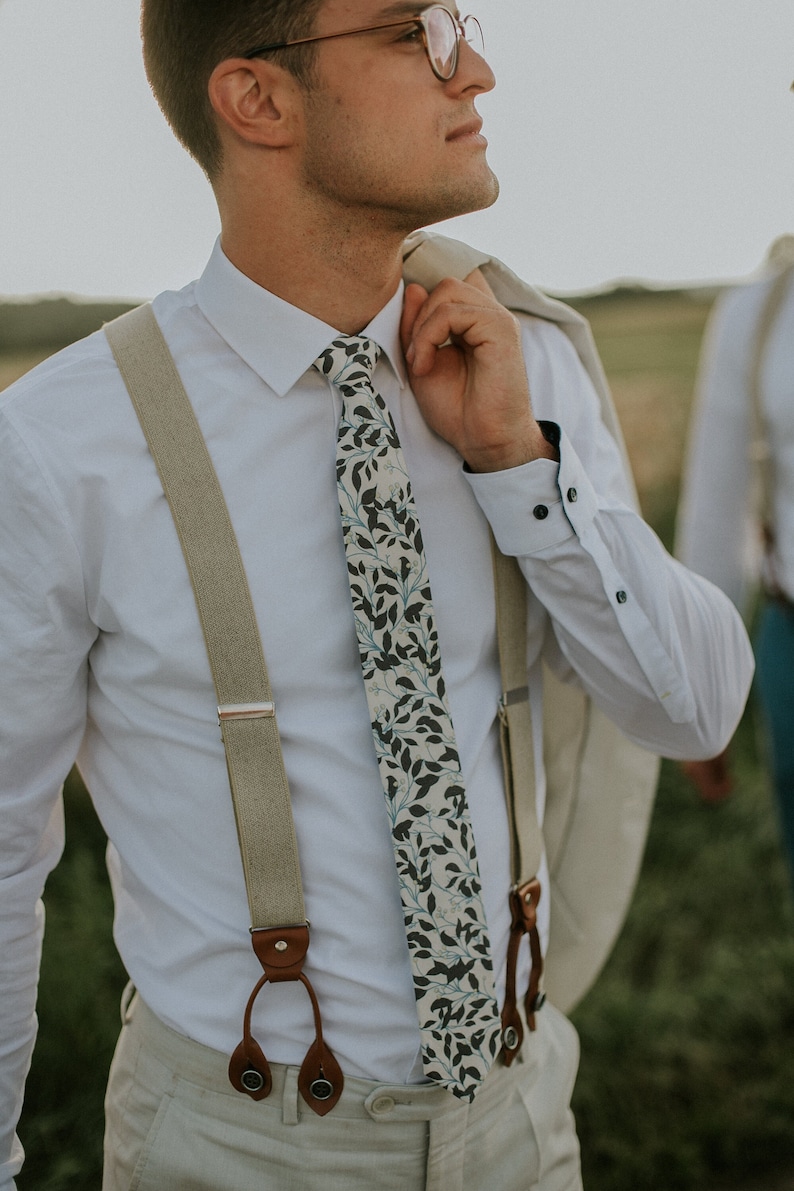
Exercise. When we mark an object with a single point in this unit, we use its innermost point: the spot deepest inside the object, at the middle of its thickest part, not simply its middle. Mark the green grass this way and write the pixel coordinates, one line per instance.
(81, 983)
(649, 343)
(688, 1036)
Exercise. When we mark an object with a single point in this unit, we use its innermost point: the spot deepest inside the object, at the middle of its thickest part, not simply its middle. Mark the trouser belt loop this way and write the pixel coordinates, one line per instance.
(446, 1150)
(281, 950)
(289, 1098)
(524, 913)
(126, 1003)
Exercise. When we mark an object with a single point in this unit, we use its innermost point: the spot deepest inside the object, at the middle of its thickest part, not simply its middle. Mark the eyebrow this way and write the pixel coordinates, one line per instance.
(410, 8)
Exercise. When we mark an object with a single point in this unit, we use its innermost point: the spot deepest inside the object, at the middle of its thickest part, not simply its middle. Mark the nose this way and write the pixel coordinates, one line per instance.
(472, 71)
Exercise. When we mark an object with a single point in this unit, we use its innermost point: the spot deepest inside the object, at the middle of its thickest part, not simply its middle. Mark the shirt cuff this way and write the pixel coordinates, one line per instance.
(539, 504)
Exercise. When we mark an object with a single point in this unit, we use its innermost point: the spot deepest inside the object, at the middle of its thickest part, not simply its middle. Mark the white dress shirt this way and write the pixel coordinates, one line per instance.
(718, 528)
(102, 659)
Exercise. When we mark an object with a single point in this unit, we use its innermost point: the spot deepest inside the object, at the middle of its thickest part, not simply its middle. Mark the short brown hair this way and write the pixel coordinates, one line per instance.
(183, 42)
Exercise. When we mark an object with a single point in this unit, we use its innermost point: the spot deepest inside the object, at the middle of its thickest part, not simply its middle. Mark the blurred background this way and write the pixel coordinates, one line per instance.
(632, 140)
(646, 154)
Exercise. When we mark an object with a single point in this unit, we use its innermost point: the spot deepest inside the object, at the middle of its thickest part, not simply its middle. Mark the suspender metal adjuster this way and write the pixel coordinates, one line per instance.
(519, 694)
(246, 711)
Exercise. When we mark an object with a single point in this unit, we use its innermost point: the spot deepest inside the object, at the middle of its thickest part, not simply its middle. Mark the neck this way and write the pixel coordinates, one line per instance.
(337, 267)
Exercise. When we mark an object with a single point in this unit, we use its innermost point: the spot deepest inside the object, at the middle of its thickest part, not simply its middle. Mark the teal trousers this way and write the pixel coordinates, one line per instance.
(775, 688)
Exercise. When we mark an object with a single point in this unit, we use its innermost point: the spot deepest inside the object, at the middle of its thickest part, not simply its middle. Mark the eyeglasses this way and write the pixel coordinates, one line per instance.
(441, 35)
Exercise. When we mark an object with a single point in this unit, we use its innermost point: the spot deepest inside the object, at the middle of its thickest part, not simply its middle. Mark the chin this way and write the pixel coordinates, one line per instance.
(468, 196)
(463, 204)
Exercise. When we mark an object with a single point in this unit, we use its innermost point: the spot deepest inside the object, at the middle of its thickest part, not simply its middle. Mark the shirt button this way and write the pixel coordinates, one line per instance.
(382, 1104)
(621, 597)
(573, 495)
(541, 512)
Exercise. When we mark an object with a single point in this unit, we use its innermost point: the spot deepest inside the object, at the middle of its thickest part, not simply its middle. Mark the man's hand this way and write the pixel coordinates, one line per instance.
(466, 367)
(712, 779)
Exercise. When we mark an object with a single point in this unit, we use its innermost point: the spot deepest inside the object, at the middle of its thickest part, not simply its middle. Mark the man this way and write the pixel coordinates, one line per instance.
(323, 156)
(737, 507)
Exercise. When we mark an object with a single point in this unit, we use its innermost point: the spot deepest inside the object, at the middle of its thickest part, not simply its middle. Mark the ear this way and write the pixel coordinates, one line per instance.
(257, 100)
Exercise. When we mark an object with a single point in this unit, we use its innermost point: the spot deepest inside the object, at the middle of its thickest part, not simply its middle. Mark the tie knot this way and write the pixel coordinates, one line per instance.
(349, 362)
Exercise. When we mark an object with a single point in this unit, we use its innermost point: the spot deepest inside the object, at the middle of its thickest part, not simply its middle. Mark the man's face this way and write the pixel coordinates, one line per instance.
(384, 138)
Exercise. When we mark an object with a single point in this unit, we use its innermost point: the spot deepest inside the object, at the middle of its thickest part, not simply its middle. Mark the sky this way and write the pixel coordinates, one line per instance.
(633, 141)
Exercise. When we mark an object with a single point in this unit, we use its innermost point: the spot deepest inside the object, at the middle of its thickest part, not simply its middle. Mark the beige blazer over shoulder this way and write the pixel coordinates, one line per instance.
(600, 786)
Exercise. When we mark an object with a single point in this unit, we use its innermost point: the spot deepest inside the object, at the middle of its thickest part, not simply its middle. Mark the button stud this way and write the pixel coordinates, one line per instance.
(251, 1080)
(281, 945)
(510, 1038)
(321, 1089)
(540, 512)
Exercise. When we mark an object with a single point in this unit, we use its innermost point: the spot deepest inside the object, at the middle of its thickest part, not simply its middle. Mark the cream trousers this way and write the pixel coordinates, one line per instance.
(174, 1123)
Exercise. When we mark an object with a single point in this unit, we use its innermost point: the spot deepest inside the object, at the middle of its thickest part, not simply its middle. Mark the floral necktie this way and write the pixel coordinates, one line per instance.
(413, 733)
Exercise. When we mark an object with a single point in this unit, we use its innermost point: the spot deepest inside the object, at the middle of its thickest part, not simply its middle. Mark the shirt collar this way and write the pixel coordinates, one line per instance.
(280, 341)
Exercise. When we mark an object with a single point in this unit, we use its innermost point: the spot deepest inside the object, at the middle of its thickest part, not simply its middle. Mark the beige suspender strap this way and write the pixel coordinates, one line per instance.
(518, 753)
(760, 452)
(245, 702)
(518, 761)
(246, 711)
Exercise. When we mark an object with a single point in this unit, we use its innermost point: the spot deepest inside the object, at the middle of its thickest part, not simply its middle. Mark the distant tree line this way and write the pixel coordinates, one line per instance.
(55, 322)
(52, 322)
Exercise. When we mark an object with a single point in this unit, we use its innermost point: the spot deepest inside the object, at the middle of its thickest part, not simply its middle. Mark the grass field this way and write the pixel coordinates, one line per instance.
(688, 1036)
(649, 344)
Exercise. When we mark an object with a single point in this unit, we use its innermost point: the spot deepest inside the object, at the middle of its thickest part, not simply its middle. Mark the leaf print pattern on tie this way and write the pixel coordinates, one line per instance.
(412, 730)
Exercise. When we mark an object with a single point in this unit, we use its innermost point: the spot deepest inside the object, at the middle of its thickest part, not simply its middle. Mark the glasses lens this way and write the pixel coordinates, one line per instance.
(473, 34)
(441, 32)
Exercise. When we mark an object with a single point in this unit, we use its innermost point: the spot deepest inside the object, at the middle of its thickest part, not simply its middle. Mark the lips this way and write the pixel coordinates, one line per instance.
(470, 129)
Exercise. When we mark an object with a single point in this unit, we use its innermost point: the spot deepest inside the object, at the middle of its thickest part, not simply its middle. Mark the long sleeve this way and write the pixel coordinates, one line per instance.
(659, 649)
(43, 646)
(716, 534)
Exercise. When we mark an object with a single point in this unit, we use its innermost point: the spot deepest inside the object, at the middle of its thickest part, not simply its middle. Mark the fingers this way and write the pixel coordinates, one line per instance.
(477, 280)
(469, 314)
(467, 371)
(414, 300)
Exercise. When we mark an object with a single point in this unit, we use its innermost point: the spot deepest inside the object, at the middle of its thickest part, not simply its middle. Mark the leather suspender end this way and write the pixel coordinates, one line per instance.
(523, 908)
(281, 950)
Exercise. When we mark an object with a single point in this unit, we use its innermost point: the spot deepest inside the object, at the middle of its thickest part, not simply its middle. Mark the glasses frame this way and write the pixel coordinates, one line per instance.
(461, 26)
